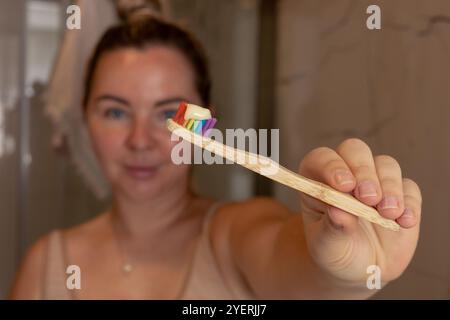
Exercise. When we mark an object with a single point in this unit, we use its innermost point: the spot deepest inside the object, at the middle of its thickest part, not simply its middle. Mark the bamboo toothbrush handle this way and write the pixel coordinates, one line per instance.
(272, 170)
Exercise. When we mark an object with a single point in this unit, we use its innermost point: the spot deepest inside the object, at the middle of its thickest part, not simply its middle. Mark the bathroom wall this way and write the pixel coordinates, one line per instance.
(229, 30)
(39, 189)
(10, 37)
(336, 79)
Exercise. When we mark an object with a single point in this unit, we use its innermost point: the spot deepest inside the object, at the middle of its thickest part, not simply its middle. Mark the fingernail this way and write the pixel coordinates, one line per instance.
(343, 177)
(367, 189)
(408, 213)
(389, 202)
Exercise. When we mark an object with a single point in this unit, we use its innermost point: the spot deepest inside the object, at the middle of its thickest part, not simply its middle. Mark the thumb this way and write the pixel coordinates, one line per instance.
(325, 218)
(341, 221)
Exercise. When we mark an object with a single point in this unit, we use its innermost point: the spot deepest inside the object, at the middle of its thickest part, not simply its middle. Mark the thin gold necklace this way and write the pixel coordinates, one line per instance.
(127, 265)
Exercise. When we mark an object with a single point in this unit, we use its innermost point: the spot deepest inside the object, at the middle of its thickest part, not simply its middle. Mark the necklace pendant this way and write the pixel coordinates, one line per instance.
(127, 268)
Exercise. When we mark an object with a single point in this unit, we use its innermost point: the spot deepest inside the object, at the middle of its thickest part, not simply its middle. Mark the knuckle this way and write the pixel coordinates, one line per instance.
(312, 156)
(352, 143)
(364, 170)
(411, 200)
(335, 164)
(387, 160)
(410, 184)
(390, 183)
(320, 151)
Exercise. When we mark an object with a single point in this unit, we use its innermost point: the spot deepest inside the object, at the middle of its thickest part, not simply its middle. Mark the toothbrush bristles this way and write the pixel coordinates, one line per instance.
(179, 116)
(201, 127)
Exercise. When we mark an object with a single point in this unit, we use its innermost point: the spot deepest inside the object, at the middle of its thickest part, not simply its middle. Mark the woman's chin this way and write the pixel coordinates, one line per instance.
(142, 187)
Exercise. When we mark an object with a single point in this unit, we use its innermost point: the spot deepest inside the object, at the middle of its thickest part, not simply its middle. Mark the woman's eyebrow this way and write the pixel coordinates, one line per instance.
(164, 102)
(114, 98)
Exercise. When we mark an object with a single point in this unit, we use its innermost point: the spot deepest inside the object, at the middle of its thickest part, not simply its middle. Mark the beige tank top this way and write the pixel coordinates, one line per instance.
(205, 279)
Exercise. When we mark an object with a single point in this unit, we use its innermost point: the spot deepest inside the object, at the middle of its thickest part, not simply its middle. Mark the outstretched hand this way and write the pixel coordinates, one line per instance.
(343, 245)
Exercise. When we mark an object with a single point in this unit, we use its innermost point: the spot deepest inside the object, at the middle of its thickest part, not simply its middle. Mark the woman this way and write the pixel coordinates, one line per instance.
(160, 241)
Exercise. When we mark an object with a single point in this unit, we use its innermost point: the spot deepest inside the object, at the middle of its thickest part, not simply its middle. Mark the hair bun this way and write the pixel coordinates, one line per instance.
(131, 10)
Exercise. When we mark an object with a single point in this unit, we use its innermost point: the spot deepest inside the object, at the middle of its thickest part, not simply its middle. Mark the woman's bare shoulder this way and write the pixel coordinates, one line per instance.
(28, 280)
(88, 230)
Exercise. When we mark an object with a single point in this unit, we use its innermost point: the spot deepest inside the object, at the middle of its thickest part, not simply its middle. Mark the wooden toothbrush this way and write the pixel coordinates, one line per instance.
(192, 123)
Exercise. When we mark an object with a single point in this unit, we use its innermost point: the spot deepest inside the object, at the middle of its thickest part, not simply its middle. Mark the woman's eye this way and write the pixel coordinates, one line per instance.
(168, 114)
(115, 113)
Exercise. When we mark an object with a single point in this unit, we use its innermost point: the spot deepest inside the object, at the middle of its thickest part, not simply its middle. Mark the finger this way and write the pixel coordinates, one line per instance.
(389, 172)
(413, 203)
(325, 165)
(399, 247)
(358, 156)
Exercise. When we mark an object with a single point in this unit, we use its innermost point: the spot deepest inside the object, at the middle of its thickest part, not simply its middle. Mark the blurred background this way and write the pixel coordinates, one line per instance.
(308, 67)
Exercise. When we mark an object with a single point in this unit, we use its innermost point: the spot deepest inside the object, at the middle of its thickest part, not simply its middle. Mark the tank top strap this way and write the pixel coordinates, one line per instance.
(54, 286)
(212, 210)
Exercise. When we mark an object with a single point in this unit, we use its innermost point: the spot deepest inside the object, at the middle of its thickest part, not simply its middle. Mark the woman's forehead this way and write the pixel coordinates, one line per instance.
(158, 58)
(156, 69)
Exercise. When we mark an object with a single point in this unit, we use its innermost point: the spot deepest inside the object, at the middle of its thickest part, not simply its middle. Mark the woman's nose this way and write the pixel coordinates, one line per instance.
(141, 137)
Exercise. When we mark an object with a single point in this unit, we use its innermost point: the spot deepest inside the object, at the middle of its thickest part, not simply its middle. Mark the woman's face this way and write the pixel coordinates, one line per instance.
(132, 95)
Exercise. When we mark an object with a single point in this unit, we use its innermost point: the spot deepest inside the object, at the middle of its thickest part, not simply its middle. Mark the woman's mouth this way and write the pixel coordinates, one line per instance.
(141, 172)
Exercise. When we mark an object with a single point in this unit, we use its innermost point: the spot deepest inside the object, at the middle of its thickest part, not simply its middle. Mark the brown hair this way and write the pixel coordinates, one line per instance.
(145, 32)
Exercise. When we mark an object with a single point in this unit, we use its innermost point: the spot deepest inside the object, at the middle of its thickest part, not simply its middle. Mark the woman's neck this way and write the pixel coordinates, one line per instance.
(152, 218)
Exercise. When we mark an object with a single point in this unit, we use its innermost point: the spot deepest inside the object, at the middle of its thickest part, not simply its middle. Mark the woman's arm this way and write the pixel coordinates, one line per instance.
(266, 244)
